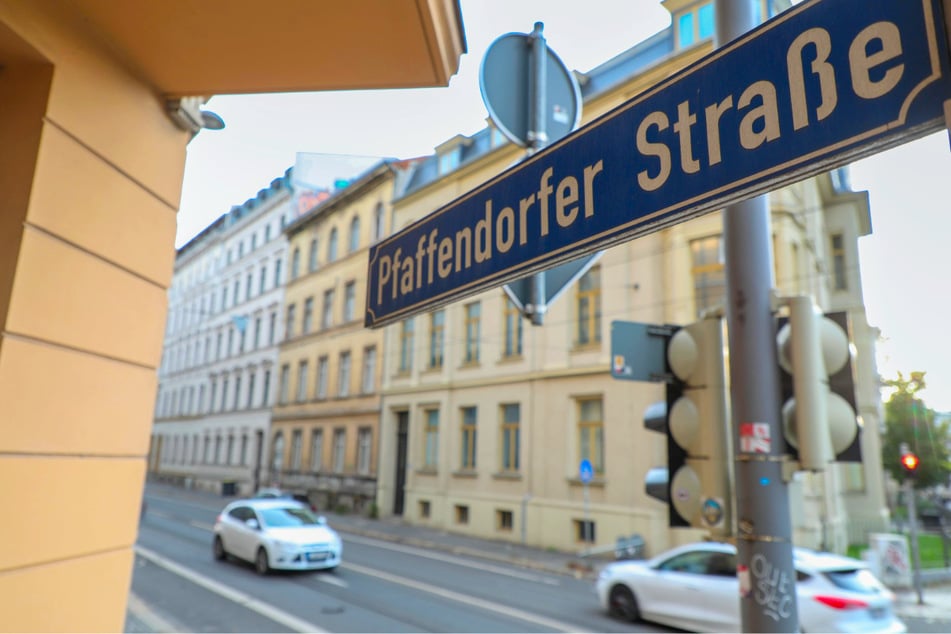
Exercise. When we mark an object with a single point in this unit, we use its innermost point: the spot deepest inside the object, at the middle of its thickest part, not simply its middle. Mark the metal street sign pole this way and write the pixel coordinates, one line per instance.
(764, 529)
(538, 139)
(913, 535)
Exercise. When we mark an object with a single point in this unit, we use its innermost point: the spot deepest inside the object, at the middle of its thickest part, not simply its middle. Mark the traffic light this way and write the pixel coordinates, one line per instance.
(818, 392)
(909, 460)
(696, 481)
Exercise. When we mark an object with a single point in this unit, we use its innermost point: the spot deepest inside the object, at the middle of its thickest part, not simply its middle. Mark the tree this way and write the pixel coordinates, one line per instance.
(908, 420)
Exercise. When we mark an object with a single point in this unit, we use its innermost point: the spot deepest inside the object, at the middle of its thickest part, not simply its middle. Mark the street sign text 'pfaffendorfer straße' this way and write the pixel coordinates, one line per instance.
(822, 84)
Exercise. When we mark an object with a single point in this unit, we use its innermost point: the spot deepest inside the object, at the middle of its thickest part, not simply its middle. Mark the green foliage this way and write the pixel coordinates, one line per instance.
(908, 420)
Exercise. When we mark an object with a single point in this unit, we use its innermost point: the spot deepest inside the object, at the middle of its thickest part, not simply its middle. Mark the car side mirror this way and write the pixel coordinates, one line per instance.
(252, 524)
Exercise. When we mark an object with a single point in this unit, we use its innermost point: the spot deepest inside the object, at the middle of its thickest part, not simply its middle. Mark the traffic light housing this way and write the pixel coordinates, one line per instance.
(818, 392)
(909, 460)
(694, 416)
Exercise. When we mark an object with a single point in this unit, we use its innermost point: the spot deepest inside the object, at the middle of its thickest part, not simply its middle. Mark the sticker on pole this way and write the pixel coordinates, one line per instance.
(755, 438)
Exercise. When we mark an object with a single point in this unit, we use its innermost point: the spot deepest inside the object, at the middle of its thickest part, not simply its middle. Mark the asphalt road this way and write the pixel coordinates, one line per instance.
(380, 587)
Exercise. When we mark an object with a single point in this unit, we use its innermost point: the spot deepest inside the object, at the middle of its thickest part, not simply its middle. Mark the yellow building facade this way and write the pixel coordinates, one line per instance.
(324, 426)
(486, 418)
(91, 166)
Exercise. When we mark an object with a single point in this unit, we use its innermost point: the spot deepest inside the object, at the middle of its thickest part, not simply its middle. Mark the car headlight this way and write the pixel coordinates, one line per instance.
(285, 545)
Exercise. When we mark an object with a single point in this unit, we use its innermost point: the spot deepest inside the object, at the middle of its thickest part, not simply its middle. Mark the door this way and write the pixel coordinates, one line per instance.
(402, 444)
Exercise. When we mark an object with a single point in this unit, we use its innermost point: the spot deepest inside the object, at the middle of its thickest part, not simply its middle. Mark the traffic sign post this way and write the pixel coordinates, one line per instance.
(586, 474)
(823, 83)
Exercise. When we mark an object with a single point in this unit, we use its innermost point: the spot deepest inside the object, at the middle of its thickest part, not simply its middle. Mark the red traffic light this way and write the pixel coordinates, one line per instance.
(910, 462)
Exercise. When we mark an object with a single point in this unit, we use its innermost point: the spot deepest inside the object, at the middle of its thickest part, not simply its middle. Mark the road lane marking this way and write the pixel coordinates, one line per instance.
(419, 552)
(332, 579)
(491, 606)
(149, 617)
(203, 526)
(268, 611)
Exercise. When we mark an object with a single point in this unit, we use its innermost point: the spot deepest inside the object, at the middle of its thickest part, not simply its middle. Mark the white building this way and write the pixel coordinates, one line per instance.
(217, 378)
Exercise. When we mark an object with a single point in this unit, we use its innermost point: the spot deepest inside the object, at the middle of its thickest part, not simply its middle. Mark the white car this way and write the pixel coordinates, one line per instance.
(276, 533)
(695, 587)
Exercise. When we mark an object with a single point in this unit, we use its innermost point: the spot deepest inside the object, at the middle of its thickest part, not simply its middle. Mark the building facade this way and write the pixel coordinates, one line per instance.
(324, 431)
(485, 418)
(92, 164)
(217, 377)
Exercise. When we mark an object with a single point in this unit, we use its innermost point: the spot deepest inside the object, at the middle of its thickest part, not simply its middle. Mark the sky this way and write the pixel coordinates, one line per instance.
(905, 265)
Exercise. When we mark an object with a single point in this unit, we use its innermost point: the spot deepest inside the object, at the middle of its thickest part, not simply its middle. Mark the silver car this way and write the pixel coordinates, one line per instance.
(276, 533)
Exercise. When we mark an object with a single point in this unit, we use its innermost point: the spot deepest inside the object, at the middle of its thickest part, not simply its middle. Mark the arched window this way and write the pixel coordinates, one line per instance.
(277, 455)
(378, 222)
(295, 264)
(332, 246)
(354, 234)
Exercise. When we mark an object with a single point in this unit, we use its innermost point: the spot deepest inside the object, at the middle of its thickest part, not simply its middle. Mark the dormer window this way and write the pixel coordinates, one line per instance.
(695, 24)
(449, 161)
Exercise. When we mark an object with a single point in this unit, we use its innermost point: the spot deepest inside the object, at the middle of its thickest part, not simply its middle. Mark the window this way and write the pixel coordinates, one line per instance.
(224, 297)
(461, 514)
(425, 509)
(254, 241)
(257, 332)
(588, 308)
(316, 449)
(224, 395)
(468, 459)
(244, 450)
(591, 432)
(266, 389)
(584, 531)
(503, 520)
(262, 282)
(251, 378)
(218, 456)
(709, 278)
(368, 381)
(296, 448)
(237, 290)
(473, 326)
(449, 161)
(349, 301)
(343, 387)
(312, 256)
(437, 334)
(705, 23)
(364, 441)
(340, 447)
(277, 454)
(302, 381)
(295, 264)
(249, 287)
(230, 349)
(685, 28)
(237, 392)
(510, 436)
(267, 233)
(431, 438)
(406, 345)
(289, 322)
(332, 246)
(838, 262)
(284, 388)
(277, 272)
(272, 328)
(308, 315)
(326, 318)
(354, 234)
(322, 374)
(378, 219)
(214, 393)
(513, 330)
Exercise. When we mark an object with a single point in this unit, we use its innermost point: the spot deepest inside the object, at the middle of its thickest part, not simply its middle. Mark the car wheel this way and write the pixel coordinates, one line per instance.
(219, 548)
(260, 562)
(623, 604)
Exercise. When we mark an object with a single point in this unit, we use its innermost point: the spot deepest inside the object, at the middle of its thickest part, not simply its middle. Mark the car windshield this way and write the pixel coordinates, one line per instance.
(288, 516)
(855, 580)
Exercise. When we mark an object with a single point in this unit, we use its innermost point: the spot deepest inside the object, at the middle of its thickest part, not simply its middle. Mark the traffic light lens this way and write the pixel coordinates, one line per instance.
(910, 462)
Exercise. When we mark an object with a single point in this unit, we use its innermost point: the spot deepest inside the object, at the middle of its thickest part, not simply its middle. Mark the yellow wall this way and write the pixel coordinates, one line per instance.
(87, 229)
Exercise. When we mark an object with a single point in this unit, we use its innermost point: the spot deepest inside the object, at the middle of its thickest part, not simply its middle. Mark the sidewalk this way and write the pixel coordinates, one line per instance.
(937, 598)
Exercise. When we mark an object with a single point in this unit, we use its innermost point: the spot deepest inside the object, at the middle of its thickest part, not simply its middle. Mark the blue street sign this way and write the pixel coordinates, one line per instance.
(585, 471)
(821, 84)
